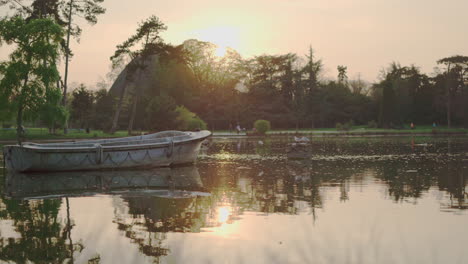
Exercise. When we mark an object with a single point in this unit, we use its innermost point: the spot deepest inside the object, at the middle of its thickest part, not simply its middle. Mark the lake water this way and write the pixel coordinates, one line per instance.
(342, 200)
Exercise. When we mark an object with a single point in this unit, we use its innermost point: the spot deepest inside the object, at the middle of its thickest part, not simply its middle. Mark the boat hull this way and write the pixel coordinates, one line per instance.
(99, 157)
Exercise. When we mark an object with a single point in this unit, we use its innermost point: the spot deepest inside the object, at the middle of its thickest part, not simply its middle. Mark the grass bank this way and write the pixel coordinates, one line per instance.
(359, 131)
(43, 134)
(379, 131)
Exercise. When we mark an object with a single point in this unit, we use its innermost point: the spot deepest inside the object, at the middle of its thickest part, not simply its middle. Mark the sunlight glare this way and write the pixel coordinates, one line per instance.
(220, 51)
(223, 214)
(222, 36)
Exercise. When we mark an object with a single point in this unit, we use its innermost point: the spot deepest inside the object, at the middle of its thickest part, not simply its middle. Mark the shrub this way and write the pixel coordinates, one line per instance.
(348, 125)
(339, 126)
(196, 124)
(344, 127)
(187, 120)
(372, 124)
(262, 126)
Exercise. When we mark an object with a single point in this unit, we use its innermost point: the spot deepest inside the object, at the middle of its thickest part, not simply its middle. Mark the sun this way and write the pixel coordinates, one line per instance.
(223, 37)
(220, 51)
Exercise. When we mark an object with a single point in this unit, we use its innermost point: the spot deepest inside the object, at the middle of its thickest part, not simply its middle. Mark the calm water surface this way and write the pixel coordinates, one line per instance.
(344, 200)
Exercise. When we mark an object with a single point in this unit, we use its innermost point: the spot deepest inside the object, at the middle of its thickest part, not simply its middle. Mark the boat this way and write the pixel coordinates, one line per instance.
(160, 149)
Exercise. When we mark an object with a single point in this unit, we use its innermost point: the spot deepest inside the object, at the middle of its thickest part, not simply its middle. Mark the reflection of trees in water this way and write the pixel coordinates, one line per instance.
(150, 218)
(403, 183)
(43, 238)
(411, 180)
(455, 182)
(278, 186)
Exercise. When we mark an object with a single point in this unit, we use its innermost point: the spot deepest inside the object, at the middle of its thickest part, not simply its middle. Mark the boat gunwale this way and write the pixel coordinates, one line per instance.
(76, 149)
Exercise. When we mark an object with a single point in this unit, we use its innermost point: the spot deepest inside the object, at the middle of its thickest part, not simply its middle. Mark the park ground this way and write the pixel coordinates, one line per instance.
(42, 134)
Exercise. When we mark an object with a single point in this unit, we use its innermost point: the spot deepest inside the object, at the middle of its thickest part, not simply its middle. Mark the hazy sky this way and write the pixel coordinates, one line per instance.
(364, 35)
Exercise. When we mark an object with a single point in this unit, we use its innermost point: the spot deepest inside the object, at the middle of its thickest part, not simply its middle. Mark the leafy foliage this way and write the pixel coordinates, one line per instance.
(82, 106)
(29, 77)
(161, 114)
(262, 126)
(187, 120)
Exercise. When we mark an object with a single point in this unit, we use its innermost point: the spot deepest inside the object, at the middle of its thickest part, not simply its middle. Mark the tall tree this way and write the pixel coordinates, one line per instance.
(82, 106)
(456, 76)
(342, 77)
(312, 70)
(148, 37)
(28, 81)
(89, 10)
(63, 12)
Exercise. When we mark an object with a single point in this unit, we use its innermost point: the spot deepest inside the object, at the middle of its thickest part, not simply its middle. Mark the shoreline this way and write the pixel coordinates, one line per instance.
(321, 134)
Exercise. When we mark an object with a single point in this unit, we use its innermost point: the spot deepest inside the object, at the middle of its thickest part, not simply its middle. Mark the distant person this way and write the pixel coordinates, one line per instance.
(434, 125)
(412, 125)
(238, 129)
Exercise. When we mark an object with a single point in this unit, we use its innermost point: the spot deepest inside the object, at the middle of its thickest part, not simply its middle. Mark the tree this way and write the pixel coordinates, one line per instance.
(82, 106)
(52, 113)
(148, 36)
(28, 81)
(342, 77)
(62, 12)
(103, 109)
(312, 70)
(456, 76)
(89, 10)
(161, 113)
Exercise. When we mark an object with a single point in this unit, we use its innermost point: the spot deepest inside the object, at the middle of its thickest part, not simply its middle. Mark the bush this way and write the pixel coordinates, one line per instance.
(339, 126)
(344, 127)
(196, 124)
(348, 125)
(372, 124)
(187, 120)
(262, 126)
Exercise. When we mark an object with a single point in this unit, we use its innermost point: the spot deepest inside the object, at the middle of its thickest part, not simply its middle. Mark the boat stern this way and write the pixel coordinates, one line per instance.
(16, 158)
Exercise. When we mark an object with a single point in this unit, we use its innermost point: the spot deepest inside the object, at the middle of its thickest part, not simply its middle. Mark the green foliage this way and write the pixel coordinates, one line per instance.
(262, 126)
(82, 106)
(103, 110)
(187, 120)
(339, 126)
(372, 124)
(161, 113)
(147, 35)
(54, 115)
(30, 76)
(344, 127)
(348, 126)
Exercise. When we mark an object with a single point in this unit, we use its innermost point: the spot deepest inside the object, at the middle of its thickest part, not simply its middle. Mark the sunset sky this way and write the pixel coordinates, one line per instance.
(364, 35)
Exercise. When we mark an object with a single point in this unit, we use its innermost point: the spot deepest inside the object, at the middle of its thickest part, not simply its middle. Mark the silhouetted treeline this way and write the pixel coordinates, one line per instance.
(287, 90)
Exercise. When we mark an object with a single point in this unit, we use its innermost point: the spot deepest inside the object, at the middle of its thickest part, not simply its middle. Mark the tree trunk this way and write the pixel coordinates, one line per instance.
(449, 108)
(67, 55)
(132, 116)
(117, 111)
(19, 124)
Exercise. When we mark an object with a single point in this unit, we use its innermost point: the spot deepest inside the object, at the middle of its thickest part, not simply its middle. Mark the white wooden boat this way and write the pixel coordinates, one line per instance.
(154, 150)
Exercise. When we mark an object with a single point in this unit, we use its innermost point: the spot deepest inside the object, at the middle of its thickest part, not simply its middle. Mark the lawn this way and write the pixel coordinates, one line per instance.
(365, 130)
(43, 134)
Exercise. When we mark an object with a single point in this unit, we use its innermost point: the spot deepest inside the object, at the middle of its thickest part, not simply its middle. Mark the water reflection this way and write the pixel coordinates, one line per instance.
(66, 184)
(158, 201)
(244, 198)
